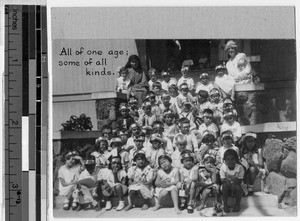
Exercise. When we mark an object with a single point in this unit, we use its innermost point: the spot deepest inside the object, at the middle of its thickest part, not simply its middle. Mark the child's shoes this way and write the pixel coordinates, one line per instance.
(108, 205)
(120, 206)
(66, 205)
(190, 209)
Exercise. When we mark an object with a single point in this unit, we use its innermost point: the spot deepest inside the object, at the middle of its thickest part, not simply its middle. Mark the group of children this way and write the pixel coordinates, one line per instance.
(183, 141)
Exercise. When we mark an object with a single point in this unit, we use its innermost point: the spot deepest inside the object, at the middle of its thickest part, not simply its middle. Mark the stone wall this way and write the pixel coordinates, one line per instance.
(281, 163)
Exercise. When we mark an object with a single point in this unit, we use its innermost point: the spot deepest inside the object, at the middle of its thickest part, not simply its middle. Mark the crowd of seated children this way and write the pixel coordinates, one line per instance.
(186, 144)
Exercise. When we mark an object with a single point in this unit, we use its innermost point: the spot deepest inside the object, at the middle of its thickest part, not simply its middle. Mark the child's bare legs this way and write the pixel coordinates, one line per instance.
(146, 204)
(160, 197)
(226, 187)
(119, 192)
(253, 172)
(216, 194)
(205, 195)
(174, 195)
(132, 195)
(238, 197)
(192, 193)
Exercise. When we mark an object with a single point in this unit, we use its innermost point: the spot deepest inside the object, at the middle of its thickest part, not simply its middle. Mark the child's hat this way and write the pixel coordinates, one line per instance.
(250, 134)
(139, 137)
(123, 106)
(99, 139)
(227, 101)
(115, 140)
(146, 104)
(206, 132)
(155, 137)
(165, 73)
(185, 155)
(228, 114)
(214, 91)
(138, 152)
(168, 112)
(209, 156)
(227, 134)
(203, 75)
(230, 44)
(218, 67)
(186, 101)
(165, 94)
(120, 132)
(206, 114)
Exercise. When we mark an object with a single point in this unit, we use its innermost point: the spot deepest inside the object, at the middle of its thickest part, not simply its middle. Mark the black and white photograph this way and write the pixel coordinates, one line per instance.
(173, 112)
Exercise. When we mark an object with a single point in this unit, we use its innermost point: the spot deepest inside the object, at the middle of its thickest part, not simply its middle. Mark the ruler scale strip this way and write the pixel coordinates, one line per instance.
(13, 106)
(26, 112)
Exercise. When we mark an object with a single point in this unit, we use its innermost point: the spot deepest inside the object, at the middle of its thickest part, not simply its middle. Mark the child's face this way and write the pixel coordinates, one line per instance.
(147, 110)
(166, 100)
(134, 64)
(140, 162)
(202, 99)
(227, 141)
(188, 163)
(210, 144)
(107, 133)
(215, 98)
(151, 99)
(124, 138)
(153, 77)
(228, 107)
(250, 142)
(139, 143)
(117, 145)
(208, 164)
(185, 128)
(70, 158)
(124, 112)
(102, 146)
(184, 91)
(169, 119)
(156, 144)
(124, 74)
(135, 131)
(165, 164)
(181, 146)
(132, 104)
(157, 90)
(220, 72)
(185, 73)
(186, 108)
(158, 129)
(115, 165)
(229, 120)
(208, 119)
(173, 91)
(232, 51)
(230, 161)
(166, 78)
(204, 80)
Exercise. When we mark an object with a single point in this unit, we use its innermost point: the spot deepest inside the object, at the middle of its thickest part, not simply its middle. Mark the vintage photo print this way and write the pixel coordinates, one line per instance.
(173, 112)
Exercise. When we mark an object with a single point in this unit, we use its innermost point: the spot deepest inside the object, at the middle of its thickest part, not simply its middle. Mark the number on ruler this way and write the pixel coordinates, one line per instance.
(14, 122)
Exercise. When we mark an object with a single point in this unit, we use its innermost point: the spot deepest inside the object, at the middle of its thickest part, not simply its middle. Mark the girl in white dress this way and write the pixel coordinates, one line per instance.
(166, 181)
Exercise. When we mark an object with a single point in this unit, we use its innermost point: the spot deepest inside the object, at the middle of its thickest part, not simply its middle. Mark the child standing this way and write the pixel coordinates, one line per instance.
(232, 175)
(208, 182)
(202, 103)
(208, 147)
(140, 178)
(147, 118)
(166, 181)
(188, 181)
(232, 125)
(134, 130)
(216, 105)
(186, 79)
(224, 82)
(158, 92)
(151, 98)
(153, 77)
(173, 89)
(170, 128)
(123, 81)
(166, 104)
(158, 146)
(167, 81)
(133, 107)
(139, 141)
(125, 120)
(180, 145)
(188, 111)
(100, 153)
(184, 94)
(116, 145)
(252, 159)
(204, 84)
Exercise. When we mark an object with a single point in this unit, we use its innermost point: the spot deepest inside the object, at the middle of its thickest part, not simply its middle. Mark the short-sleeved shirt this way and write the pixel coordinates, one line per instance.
(212, 128)
(188, 175)
(203, 87)
(237, 172)
(189, 81)
(68, 174)
(121, 174)
(223, 149)
(176, 159)
(235, 128)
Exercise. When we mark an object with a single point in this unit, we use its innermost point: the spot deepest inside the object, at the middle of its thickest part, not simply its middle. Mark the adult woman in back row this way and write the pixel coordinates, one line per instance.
(138, 81)
(238, 65)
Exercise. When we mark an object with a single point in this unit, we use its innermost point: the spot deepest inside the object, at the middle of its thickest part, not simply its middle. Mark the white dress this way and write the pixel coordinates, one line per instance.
(166, 176)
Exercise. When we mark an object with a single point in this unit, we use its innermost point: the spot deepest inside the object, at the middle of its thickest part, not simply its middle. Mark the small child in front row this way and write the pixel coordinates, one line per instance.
(252, 160)
(166, 181)
(188, 181)
(231, 174)
(140, 178)
(208, 182)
